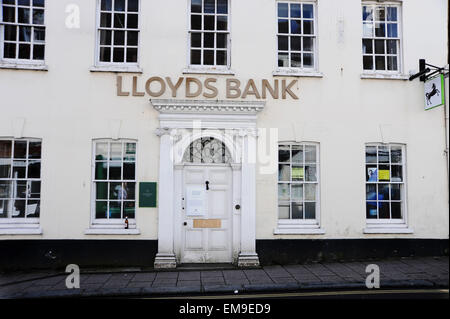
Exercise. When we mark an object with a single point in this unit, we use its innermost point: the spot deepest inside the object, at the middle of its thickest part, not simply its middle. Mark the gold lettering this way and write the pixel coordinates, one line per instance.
(119, 87)
(210, 87)
(188, 87)
(134, 91)
(287, 89)
(253, 91)
(234, 88)
(272, 91)
(148, 86)
(173, 87)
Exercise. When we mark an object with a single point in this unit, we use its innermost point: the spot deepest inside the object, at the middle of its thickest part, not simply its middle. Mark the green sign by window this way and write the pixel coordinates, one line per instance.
(147, 194)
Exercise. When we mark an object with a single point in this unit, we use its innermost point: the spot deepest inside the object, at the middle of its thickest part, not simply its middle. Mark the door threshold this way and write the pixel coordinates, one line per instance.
(206, 266)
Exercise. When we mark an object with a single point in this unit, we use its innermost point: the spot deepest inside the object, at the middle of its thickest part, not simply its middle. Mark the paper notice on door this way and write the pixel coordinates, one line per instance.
(195, 201)
(207, 223)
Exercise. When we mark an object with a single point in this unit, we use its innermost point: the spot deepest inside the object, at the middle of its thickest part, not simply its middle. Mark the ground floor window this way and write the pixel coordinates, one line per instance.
(385, 183)
(114, 181)
(20, 180)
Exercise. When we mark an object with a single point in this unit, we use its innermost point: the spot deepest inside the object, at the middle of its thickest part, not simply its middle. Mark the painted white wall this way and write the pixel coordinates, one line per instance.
(68, 106)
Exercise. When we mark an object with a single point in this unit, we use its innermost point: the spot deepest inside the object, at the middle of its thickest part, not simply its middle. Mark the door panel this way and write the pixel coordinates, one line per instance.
(207, 235)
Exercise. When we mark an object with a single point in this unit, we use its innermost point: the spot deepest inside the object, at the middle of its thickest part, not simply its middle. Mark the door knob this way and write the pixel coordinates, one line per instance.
(237, 206)
(207, 185)
(185, 224)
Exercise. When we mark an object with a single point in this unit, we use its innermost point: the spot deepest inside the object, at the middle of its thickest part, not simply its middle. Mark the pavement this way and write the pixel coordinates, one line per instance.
(419, 272)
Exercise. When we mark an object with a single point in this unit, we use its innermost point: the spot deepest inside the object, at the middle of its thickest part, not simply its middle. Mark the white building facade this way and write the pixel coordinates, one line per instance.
(152, 133)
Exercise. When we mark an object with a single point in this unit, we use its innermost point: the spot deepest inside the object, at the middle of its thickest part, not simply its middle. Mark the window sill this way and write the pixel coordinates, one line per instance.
(112, 231)
(21, 230)
(381, 76)
(23, 66)
(297, 73)
(116, 68)
(208, 71)
(298, 231)
(387, 229)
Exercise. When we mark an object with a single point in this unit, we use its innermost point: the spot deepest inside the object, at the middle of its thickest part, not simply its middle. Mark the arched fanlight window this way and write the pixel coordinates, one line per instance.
(207, 150)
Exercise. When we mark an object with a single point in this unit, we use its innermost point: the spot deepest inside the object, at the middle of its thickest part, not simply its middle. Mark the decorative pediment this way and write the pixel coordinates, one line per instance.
(207, 107)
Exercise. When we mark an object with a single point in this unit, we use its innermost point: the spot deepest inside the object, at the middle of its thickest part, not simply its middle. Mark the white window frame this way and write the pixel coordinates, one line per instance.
(298, 71)
(208, 69)
(300, 226)
(112, 226)
(388, 74)
(387, 225)
(23, 225)
(101, 66)
(9, 63)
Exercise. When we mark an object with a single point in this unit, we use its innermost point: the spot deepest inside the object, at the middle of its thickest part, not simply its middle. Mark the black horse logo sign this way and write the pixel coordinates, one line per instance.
(433, 92)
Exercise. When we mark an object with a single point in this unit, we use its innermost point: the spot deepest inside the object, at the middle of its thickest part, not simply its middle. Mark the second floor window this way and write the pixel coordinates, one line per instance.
(296, 35)
(209, 34)
(118, 31)
(22, 31)
(381, 38)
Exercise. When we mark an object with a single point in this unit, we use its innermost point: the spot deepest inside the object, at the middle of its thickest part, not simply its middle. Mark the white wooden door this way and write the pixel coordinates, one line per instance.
(206, 222)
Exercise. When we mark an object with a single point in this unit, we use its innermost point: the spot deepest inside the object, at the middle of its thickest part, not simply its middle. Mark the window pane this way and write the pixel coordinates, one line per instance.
(132, 21)
(367, 30)
(297, 153)
(383, 210)
(380, 63)
(308, 11)
(295, 26)
(133, 5)
(9, 14)
(295, 43)
(132, 38)
(392, 30)
(383, 192)
(195, 57)
(367, 13)
(283, 60)
(196, 22)
(397, 173)
(208, 40)
(100, 209)
(38, 3)
(24, 15)
(371, 173)
(209, 6)
(196, 6)
(20, 149)
(4, 208)
(396, 154)
(396, 210)
(20, 189)
(310, 154)
(222, 6)
(119, 5)
(221, 57)
(35, 189)
(297, 210)
(308, 60)
(284, 154)
(9, 50)
(105, 54)
(208, 23)
(39, 34)
(295, 10)
(371, 154)
(380, 14)
(115, 191)
(395, 192)
(115, 170)
(308, 27)
(128, 209)
(101, 170)
(132, 55)
(101, 190)
(371, 192)
(310, 172)
(391, 46)
(222, 23)
(5, 168)
(115, 151)
(284, 173)
(115, 210)
(128, 170)
(283, 26)
(308, 44)
(129, 190)
(368, 62)
(310, 210)
(18, 210)
(38, 16)
(379, 46)
(283, 43)
(380, 30)
(310, 192)
(105, 20)
(10, 32)
(383, 154)
(371, 210)
(5, 189)
(106, 5)
(298, 173)
(208, 57)
(384, 173)
(119, 20)
(367, 46)
(5, 149)
(196, 40)
(118, 55)
(119, 37)
(392, 63)
(296, 60)
(283, 211)
(25, 34)
(283, 10)
(221, 40)
(283, 192)
(34, 169)
(297, 192)
(392, 14)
